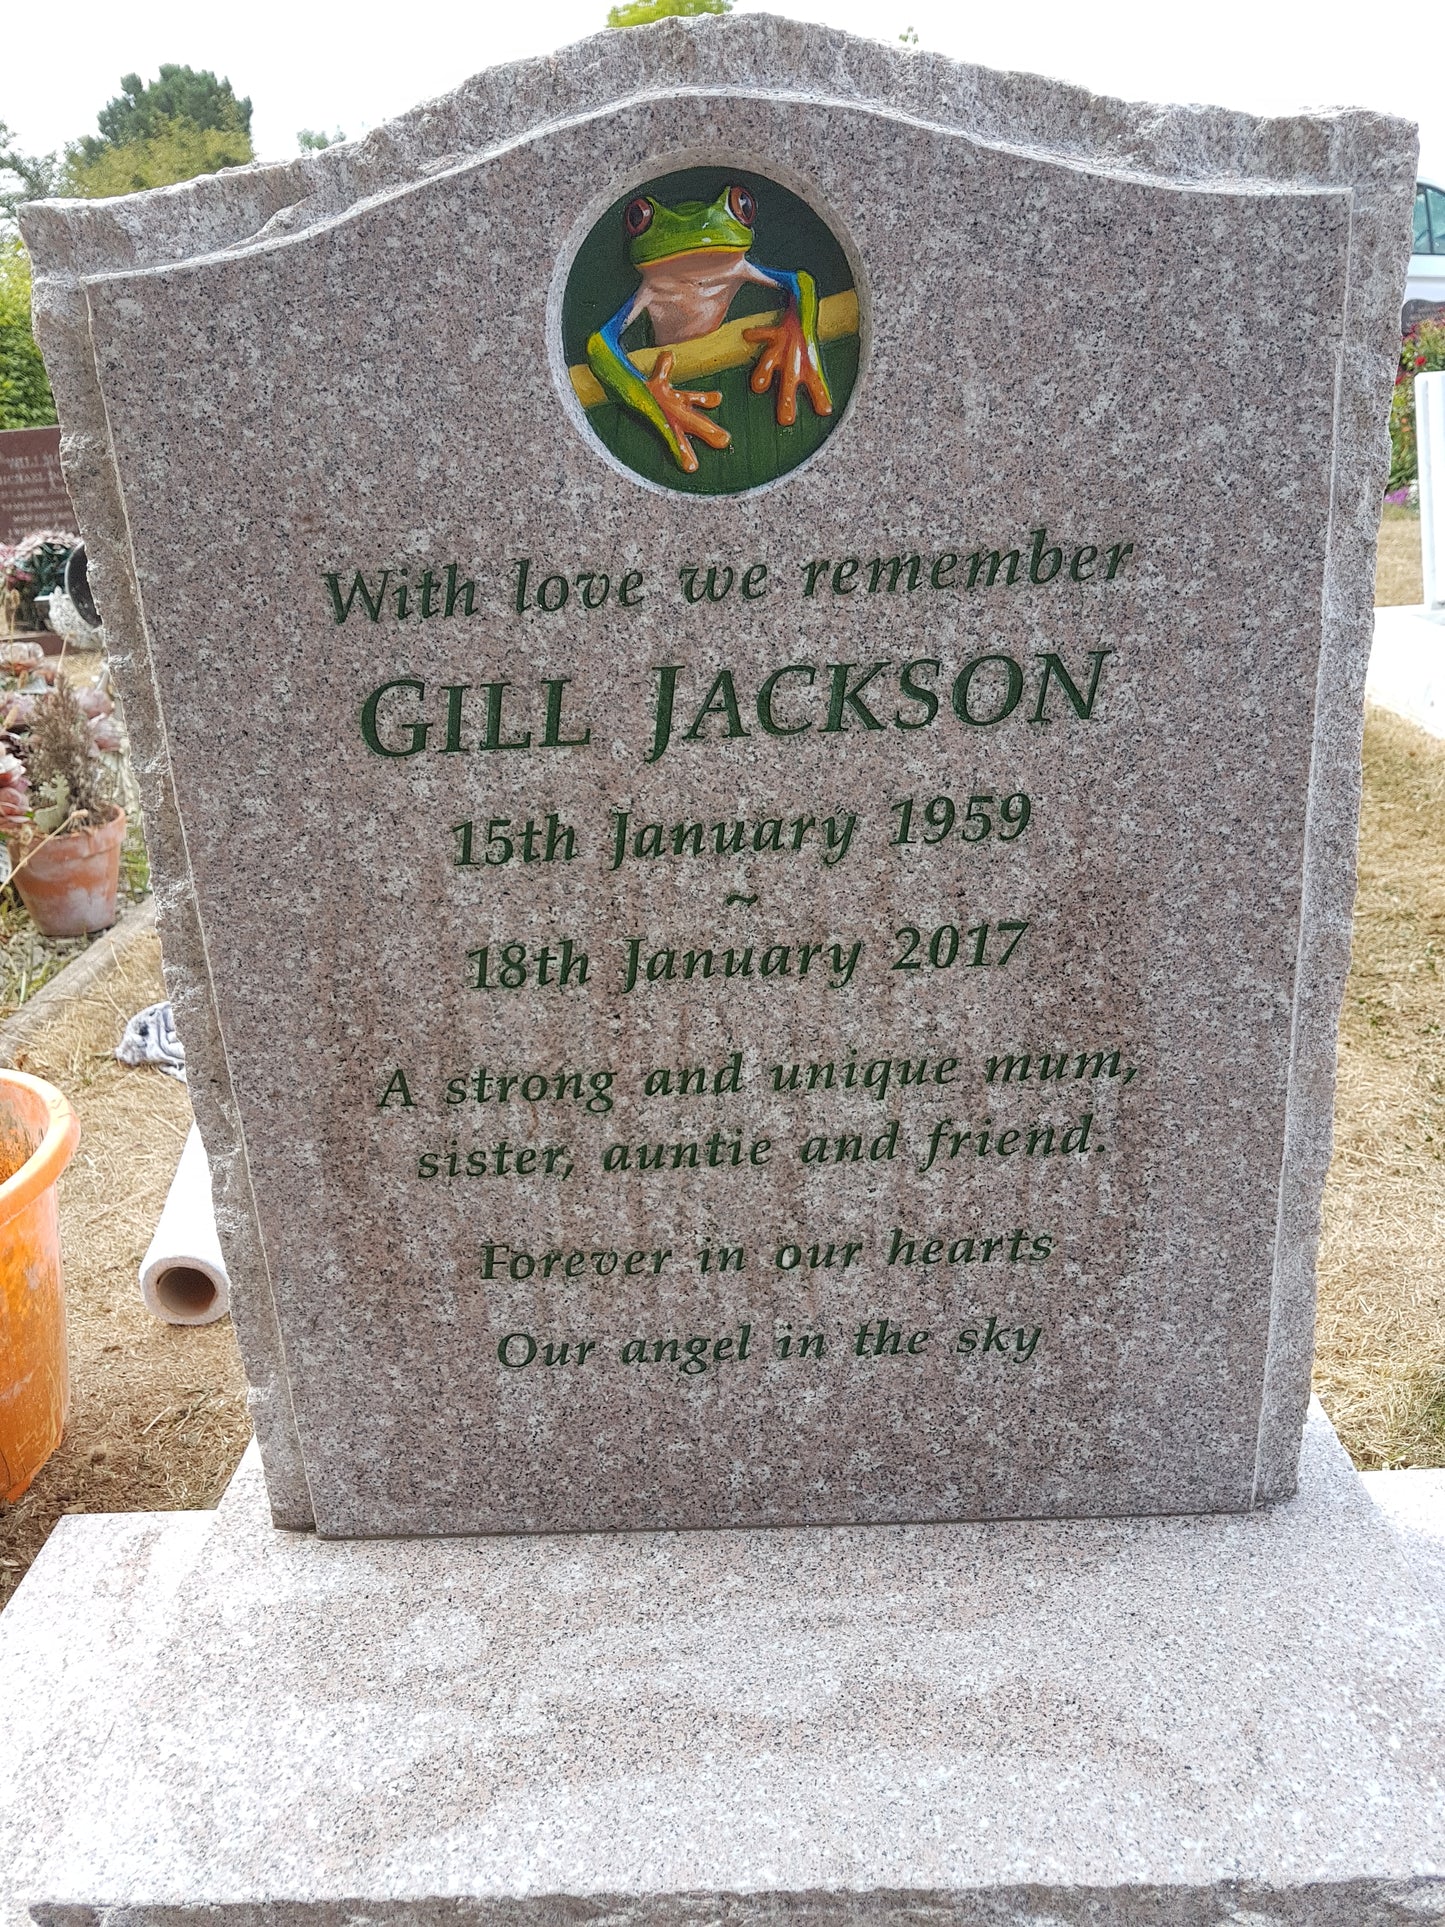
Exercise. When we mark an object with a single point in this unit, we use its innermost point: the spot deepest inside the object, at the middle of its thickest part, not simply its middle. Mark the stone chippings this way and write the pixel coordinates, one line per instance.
(214, 350)
(1175, 1722)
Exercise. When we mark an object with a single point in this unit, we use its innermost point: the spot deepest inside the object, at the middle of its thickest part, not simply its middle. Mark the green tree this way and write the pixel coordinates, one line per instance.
(179, 125)
(175, 150)
(642, 13)
(170, 129)
(25, 397)
(23, 177)
(312, 142)
(141, 111)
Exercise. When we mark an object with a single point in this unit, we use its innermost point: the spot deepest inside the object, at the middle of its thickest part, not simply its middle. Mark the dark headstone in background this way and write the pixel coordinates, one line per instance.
(32, 488)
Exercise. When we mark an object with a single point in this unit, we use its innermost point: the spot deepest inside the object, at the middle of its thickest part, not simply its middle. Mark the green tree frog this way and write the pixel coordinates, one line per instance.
(693, 258)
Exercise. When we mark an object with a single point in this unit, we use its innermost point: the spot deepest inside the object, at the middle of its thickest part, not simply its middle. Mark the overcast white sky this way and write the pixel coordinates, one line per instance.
(354, 63)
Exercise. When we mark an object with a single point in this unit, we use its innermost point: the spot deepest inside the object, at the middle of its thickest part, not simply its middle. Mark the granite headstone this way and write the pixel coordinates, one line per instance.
(32, 487)
(747, 653)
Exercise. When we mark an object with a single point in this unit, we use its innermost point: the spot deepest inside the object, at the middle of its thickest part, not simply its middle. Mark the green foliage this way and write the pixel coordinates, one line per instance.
(170, 129)
(135, 868)
(23, 177)
(311, 142)
(25, 397)
(642, 13)
(142, 112)
(1421, 353)
(51, 809)
(178, 150)
(36, 564)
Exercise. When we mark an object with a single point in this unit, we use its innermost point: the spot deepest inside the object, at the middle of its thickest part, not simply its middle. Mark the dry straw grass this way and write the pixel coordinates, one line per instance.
(157, 1415)
(1398, 575)
(1380, 1364)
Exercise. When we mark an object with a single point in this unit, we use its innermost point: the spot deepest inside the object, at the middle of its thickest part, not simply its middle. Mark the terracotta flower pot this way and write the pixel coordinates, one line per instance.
(69, 883)
(37, 1135)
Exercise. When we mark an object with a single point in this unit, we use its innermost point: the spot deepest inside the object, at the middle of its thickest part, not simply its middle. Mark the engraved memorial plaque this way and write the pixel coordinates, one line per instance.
(750, 698)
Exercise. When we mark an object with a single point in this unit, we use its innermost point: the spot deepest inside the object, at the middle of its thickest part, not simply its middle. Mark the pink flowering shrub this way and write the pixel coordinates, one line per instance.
(1421, 352)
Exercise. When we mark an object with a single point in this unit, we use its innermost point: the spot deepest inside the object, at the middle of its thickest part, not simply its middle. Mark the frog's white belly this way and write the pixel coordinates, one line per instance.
(689, 294)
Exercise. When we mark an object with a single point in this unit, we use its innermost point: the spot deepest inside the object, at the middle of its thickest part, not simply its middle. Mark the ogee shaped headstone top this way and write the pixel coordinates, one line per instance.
(746, 654)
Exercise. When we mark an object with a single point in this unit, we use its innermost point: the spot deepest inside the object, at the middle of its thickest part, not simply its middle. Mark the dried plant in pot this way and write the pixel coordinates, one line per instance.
(64, 828)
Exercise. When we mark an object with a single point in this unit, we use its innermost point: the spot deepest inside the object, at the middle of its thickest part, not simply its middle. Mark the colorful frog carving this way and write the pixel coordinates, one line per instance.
(693, 258)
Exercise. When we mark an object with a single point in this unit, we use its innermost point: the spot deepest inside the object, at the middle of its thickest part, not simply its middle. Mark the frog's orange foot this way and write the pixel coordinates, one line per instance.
(680, 408)
(788, 354)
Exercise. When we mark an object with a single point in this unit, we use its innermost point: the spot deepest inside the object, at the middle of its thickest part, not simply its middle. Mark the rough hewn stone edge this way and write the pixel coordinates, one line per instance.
(759, 51)
(1370, 154)
(1368, 355)
(62, 323)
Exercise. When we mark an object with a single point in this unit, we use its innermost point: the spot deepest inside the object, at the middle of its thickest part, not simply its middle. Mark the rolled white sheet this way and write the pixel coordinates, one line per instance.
(183, 1276)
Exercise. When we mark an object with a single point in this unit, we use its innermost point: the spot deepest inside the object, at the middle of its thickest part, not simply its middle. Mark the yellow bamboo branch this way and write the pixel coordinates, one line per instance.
(723, 348)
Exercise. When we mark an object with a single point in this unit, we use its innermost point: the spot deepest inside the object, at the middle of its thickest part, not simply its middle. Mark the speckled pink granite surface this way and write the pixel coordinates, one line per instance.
(1085, 326)
(1208, 1722)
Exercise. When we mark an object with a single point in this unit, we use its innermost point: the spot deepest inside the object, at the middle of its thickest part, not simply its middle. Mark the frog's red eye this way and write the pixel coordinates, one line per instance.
(637, 216)
(742, 206)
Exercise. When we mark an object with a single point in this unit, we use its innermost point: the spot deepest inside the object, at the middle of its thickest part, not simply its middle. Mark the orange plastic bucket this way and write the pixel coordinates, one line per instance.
(38, 1132)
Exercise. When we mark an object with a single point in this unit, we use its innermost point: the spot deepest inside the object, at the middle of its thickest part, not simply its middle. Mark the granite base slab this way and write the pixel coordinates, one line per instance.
(1161, 1721)
(1414, 1503)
